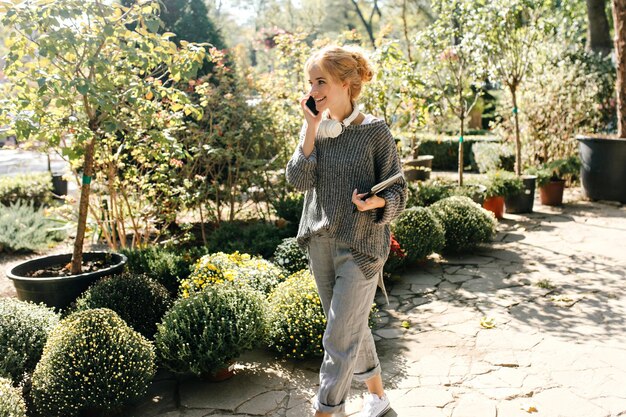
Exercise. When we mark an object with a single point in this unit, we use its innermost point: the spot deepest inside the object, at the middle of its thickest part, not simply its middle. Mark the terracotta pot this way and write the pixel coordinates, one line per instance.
(551, 194)
(495, 205)
(221, 374)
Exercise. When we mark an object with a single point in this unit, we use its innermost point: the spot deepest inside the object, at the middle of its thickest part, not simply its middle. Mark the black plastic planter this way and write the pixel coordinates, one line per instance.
(603, 171)
(59, 292)
(523, 202)
(59, 185)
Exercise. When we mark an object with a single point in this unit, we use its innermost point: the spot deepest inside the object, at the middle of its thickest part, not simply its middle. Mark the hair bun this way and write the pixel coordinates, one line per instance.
(363, 67)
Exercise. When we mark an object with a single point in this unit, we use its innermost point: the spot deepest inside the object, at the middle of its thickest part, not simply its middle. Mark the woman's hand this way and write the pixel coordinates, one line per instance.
(371, 203)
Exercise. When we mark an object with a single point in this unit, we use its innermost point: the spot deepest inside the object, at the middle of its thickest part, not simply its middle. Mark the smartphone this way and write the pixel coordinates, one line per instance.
(310, 103)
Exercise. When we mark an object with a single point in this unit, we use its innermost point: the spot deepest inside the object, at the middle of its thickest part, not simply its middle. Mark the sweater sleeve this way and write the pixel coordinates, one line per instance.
(387, 164)
(301, 171)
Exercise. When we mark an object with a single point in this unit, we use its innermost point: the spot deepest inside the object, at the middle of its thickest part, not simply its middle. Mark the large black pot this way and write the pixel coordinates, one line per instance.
(523, 202)
(603, 171)
(59, 292)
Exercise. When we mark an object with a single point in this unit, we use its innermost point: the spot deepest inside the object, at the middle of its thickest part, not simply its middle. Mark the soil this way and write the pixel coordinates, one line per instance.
(8, 261)
(65, 270)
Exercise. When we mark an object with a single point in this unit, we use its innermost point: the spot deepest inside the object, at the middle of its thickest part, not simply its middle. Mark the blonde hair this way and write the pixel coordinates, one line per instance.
(343, 64)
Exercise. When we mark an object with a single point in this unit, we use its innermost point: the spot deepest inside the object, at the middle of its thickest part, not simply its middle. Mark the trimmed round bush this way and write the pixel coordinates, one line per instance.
(290, 256)
(139, 300)
(296, 317)
(466, 224)
(419, 233)
(93, 361)
(11, 401)
(24, 329)
(239, 268)
(202, 333)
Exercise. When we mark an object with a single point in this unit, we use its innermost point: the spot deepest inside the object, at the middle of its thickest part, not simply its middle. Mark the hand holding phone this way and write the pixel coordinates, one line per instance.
(310, 103)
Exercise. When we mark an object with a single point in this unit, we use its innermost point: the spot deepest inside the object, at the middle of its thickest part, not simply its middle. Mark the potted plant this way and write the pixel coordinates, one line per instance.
(603, 171)
(215, 325)
(551, 178)
(418, 168)
(513, 40)
(523, 201)
(500, 184)
(454, 62)
(79, 102)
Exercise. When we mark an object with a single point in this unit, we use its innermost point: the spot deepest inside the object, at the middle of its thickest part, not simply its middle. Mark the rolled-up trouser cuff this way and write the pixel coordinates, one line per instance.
(364, 376)
(330, 409)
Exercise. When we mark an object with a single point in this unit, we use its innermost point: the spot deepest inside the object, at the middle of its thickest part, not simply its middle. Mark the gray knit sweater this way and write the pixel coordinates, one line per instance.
(361, 157)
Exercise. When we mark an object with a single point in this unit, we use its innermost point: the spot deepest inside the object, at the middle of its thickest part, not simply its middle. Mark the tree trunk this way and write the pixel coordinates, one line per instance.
(461, 153)
(598, 32)
(518, 142)
(619, 19)
(406, 30)
(369, 26)
(83, 206)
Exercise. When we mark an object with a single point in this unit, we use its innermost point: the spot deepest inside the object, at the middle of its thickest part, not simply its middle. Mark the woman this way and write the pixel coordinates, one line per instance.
(347, 247)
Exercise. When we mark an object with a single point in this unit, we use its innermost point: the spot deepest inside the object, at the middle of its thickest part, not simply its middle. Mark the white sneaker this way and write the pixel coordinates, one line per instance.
(374, 406)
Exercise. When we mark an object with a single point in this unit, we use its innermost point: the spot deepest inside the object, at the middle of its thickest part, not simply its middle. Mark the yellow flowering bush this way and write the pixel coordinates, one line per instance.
(296, 318)
(24, 329)
(205, 331)
(92, 362)
(11, 401)
(238, 268)
(205, 273)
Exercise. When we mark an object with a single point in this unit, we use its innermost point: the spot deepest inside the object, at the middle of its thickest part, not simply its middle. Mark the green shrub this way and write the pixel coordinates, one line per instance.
(139, 300)
(503, 184)
(445, 149)
(167, 265)
(428, 192)
(465, 223)
(296, 317)
(241, 269)
(204, 332)
(419, 233)
(253, 237)
(11, 401)
(92, 361)
(490, 156)
(24, 329)
(290, 256)
(290, 207)
(26, 229)
(33, 187)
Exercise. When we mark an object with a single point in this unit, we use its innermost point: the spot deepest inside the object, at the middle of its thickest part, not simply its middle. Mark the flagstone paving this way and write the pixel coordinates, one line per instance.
(532, 325)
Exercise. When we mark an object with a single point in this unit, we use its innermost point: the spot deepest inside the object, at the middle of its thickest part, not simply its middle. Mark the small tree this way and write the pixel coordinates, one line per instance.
(453, 59)
(619, 20)
(80, 75)
(396, 92)
(513, 34)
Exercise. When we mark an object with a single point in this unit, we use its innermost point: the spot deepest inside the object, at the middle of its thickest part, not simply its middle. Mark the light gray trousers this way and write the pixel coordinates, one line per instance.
(347, 297)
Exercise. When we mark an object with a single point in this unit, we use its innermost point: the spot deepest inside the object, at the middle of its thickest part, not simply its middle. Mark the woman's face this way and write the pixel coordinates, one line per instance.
(328, 93)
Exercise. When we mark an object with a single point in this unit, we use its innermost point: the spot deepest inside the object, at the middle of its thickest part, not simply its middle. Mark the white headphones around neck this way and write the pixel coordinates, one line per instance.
(330, 128)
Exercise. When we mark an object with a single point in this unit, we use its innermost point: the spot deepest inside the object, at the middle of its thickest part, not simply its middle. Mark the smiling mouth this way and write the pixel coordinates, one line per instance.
(320, 100)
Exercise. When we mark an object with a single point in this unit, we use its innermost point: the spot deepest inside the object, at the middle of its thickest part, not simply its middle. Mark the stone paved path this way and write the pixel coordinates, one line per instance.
(552, 287)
